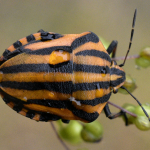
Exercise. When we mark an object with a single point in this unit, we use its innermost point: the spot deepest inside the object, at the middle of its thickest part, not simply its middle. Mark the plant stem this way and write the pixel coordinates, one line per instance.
(130, 113)
(61, 141)
(129, 57)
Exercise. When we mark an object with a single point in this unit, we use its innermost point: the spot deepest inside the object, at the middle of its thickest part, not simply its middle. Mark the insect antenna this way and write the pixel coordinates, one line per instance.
(137, 102)
(130, 43)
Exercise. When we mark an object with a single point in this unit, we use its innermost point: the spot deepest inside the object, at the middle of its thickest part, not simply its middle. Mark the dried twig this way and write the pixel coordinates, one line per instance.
(130, 113)
(61, 141)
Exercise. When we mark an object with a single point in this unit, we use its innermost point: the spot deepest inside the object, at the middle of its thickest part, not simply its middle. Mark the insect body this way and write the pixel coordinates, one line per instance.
(47, 76)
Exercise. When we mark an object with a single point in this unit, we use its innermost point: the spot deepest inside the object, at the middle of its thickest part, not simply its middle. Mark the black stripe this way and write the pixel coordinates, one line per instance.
(84, 115)
(13, 54)
(6, 52)
(49, 36)
(90, 68)
(49, 103)
(47, 116)
(17, 108)
(95, 53)
(57, 35)
(67, 68)
(116, 71)
(30, 114)
(91, 37)
(48, 51)
(6, 100)
(43, 116)
(90, 86)
(117, 82)
(62, 87)
(17, 44)
(95, 101)
(30, 38)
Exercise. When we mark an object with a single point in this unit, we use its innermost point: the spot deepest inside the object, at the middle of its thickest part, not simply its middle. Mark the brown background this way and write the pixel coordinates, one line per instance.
(110, 19)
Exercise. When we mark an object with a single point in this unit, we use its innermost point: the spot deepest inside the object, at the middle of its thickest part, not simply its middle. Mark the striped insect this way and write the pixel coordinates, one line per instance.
(47, 76)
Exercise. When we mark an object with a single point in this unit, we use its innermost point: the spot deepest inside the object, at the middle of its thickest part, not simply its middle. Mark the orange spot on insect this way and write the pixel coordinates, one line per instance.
(99, 92)
(51, 95)
(59, 56)
(103, 75)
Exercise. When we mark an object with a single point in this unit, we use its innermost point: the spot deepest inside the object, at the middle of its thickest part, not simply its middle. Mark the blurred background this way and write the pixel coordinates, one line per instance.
(110, 19)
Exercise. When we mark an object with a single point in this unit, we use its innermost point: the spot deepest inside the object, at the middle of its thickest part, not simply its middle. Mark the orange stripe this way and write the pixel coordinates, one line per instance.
(24, 112)
(88, 108)
(33, 59)
(24, 41)
(26, 59)
(64, 113)
(115, 77)
(87, 46)
(36, 77)
(11, 48)
(90, 95)
(24, 95)
(90, 60)
(82, 77)
(62, 41)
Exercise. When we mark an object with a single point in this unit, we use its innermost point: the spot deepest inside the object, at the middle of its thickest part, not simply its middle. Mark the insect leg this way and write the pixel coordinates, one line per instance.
(113, 116)
(112, 48)
(65, 121)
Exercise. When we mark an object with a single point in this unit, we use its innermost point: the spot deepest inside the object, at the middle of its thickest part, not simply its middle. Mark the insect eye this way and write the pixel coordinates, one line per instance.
(104, 71)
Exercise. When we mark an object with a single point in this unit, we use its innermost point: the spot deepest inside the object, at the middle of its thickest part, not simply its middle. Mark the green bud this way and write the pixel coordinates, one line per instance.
(145, 53)
(105, 43)
(92, 132)
(130, 108)
(138, 110)
(142, 62)
(129, 84)
(71, 132)
(142, 123)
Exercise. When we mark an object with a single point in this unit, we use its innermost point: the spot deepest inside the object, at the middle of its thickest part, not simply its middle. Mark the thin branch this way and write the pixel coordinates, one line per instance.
(129, 57)
(61, 141)
(130, 113)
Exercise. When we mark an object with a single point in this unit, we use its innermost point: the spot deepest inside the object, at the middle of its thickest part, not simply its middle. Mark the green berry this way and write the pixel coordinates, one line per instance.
(130, 108)
(129, 84)
(92, 132)
(142, 123)
(105, 43)
(72, 132)
(145, 53)
(142, 62)
(138, 110)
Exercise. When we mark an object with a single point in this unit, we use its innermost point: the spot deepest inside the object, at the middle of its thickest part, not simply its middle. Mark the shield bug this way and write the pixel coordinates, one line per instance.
(47, 76)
